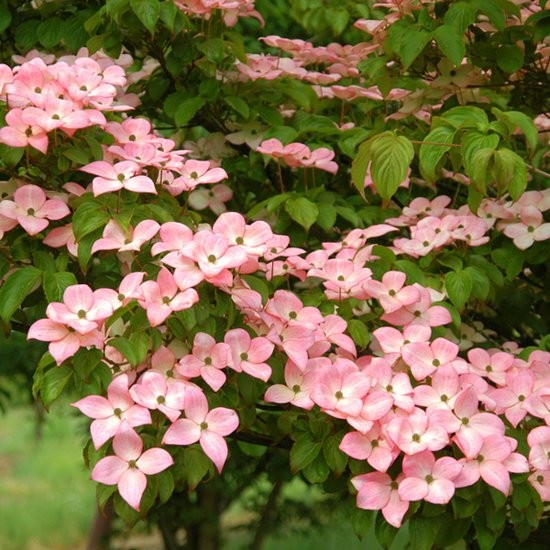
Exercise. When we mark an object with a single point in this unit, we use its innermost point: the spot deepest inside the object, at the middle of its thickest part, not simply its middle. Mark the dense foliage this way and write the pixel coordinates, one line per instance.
(301, 238)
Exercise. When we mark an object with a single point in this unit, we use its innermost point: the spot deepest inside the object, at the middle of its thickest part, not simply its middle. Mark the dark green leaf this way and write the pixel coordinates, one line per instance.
(239, 105)
(303, 452)
(49, 32)
(412, 44)
(5, 18)
(148, 12)
(359, 332)
(187, 109)
(10, 156)
(423, 532)
(16, 288)
(88, 217)
(54, 382)
(196, 465)
(510, 58)
(54, 284)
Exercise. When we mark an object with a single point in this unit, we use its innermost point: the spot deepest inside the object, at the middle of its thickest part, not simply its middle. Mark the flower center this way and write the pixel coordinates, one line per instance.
(81, 314)
(429, 478)
(244, 356)
(161, 399)
(211, 258)
(416, 438)
(30, 212)
(436, 362)
(204, 426)
(117, 412)
(292, 315)
(338, 395)
(296, 388)
(392, 292)
(132, 464)
(239, 240)
(208, 360)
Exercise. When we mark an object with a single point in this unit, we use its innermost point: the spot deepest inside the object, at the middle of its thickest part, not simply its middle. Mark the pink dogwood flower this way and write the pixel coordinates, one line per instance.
(129, 466)
(32, 210)
(122, 175)
(249, 354)
(110, 412)
(208, 428)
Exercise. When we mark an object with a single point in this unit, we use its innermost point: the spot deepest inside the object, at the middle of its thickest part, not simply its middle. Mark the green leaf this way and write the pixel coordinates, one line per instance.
(26, 34)
(451, 42)
(458, 285)
(466, 117)
(481, 284)
(327, 216)
(53, 383)
(85, 361)
(359, 332)
(148, 12)
(391, 158)
(423, 532)
(460, 15)
(510, 173)
(167, 14)
(317, 471)
(335, 458)
(303, 452)
(362, 521)
(55, 284)
(496, 10)
(285, 134)
(480, 168)
(302, 211)
(239, 105)
(510, 58)
(412, 45)
(360, 165)
(196, 465)
(16, 288)
(451, 531)
(5, 18)
(187, 110)
(338, 19)
(49, 32)
(517, 119)
(10, 156)
(430, 155)
(166, 486)
(88, 217)
(213, 49)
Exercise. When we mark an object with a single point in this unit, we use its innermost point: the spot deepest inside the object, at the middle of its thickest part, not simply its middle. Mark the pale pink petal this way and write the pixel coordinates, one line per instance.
(182, 432)
(131, 486)
(214, 447)
(109, 470)
(153, 461)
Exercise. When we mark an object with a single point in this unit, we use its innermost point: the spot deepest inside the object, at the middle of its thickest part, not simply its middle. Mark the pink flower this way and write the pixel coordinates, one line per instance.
(214, 198)
(83, 310)
(429, 479)
(530, 229)
(153, 392)
(424, 358)
(207, 427)
(115, 238)
(20, 133)
(162, 297)
(249, 354)
(196, 172)
(113, 177)
(32, 210)
(110, 412)
(64, 341)
(378, 491)
(391, 292)
(130, 465)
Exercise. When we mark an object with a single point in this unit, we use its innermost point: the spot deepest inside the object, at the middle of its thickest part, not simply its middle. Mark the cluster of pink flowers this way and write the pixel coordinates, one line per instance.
(299, 155)
(230, 10)
(67, 95)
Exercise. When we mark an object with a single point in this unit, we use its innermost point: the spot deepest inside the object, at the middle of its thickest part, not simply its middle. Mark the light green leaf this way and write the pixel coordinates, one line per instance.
(360, 165)
(460, 15)
(451, 42)
(472, 142)
(148, 12)
(16, 288)
(458, 285)
(481, 168)
(510, 172)
(412, 44)
(517, 119)
(239, 105)
(430, 154)
(391, 158)
(302, 211)
(466, 117)
(49, 32)
(10, 156)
